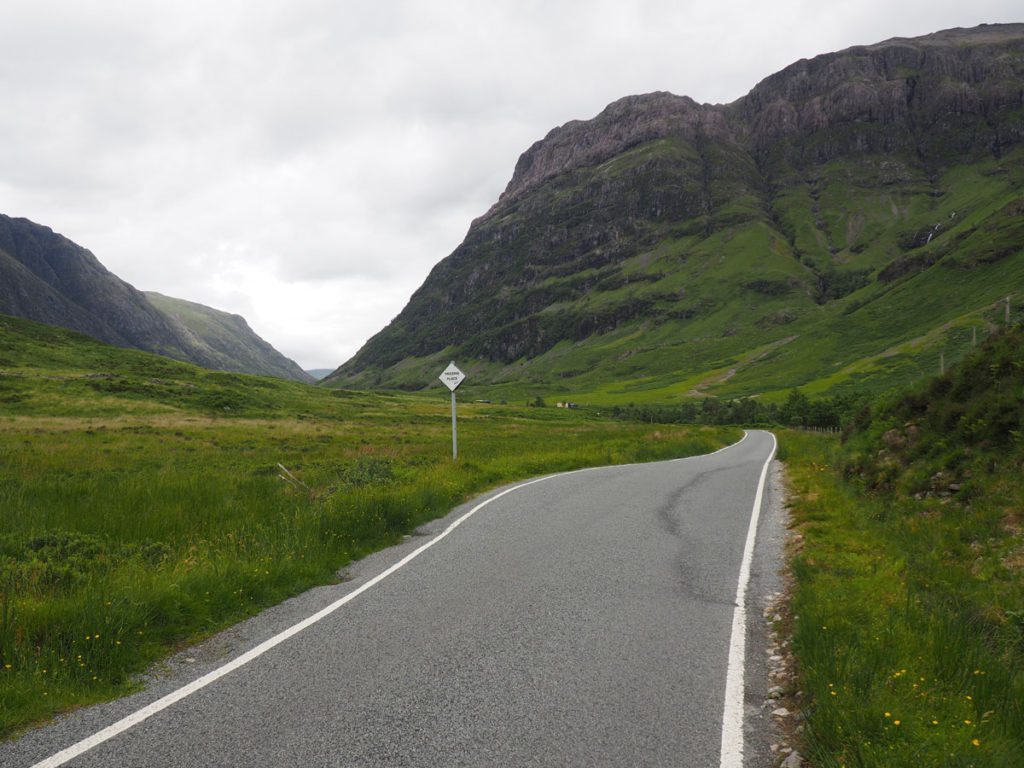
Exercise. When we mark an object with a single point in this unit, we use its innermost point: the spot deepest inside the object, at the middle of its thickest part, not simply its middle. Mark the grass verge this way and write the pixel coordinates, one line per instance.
(908, 623)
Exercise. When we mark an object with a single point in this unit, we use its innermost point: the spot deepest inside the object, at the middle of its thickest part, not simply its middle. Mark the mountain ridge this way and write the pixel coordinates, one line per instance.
(686, 117)
(47, 278)
(225, 340)
(671, 220)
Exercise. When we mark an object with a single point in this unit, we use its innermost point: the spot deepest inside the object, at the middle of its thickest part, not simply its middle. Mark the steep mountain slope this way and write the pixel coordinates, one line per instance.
(224, 340)
(666, 247)
(47, 278)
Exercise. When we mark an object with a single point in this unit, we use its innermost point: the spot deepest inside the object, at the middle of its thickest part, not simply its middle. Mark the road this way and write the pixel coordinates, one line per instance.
(583, 619)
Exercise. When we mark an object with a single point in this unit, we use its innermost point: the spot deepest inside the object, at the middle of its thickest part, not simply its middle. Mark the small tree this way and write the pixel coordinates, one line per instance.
(796, 411)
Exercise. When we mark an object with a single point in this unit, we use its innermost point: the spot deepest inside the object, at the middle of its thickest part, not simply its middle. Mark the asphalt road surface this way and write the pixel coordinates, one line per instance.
(583, 619)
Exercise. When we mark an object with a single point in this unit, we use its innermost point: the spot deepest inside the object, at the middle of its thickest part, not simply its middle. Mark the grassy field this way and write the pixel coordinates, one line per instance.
(143, 506)
(909, 570)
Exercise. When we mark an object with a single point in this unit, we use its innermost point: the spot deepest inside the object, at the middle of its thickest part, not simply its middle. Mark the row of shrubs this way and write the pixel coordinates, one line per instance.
(798, 410)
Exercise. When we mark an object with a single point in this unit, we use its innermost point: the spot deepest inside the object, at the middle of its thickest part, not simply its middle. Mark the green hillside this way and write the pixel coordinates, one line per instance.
(908, 614)
(851, 222)
(50, 371)
(223, 341)
(750, 311)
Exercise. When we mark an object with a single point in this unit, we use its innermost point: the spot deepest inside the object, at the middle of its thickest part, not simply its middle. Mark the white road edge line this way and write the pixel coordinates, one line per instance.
(159, 705)
(732, 716)
(122, 725)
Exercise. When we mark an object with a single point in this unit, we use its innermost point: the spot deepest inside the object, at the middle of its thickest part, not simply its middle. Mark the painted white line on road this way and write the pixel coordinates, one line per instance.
(732, 717)
(172, 698)
(724, 448)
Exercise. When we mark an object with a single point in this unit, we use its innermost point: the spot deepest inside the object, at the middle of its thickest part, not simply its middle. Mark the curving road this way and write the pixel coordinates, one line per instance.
(582, 619)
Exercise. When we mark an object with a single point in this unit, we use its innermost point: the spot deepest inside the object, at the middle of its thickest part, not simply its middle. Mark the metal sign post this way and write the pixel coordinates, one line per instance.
(452, 378)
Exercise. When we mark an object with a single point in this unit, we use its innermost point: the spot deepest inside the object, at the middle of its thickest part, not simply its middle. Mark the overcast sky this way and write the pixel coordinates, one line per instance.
(304, 163)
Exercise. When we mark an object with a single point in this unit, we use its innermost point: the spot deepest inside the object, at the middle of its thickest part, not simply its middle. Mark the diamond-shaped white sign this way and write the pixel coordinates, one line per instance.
(452, 377)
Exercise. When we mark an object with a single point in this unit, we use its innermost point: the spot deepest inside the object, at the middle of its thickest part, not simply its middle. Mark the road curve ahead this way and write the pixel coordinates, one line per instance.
(584, 619)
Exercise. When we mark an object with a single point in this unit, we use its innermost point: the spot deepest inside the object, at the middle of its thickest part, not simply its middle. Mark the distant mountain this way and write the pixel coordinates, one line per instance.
(848, 214)
(224, 340)
(49, 279)
(319, 373)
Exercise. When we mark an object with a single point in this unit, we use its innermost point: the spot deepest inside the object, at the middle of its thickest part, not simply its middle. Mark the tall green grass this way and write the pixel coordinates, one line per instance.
(909, 572)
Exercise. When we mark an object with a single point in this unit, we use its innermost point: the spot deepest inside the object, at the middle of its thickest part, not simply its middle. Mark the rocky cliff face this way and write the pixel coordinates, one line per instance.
(944, 96)
(49, 279)
(897, 95)
(624, 124)
(553, 259)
